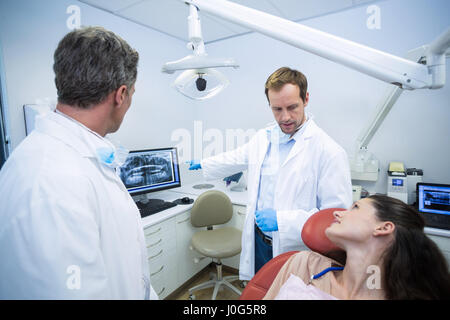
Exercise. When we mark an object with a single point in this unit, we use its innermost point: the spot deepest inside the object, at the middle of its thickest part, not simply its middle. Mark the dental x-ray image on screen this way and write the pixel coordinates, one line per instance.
(147, 169)
(150, 170)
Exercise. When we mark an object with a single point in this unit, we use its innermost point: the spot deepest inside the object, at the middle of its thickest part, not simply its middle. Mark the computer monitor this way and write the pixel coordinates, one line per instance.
(151, 170)
(433, 201)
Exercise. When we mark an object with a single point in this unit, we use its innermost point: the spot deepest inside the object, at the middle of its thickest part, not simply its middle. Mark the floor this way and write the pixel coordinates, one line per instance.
(206, 294)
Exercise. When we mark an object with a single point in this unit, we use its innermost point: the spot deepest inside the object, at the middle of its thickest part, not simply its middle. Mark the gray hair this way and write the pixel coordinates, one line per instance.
(90, 63)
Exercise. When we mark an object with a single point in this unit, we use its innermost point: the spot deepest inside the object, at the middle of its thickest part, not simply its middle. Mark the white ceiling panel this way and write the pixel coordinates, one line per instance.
(111, 5)
(235, 28)
(213, 29)
(170, 16)
(356, 2)
(302, 9)
(261, 5)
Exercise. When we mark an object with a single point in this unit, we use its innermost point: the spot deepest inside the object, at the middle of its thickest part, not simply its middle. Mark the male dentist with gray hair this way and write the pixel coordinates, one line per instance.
(68, 227)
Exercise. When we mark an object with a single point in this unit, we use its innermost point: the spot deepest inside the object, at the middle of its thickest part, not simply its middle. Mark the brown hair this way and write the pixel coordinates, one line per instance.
(286, 75)
(414, 267)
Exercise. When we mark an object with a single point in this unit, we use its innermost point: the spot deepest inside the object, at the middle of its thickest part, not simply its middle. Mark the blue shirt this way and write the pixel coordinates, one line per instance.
(269, 172)
(279, 147)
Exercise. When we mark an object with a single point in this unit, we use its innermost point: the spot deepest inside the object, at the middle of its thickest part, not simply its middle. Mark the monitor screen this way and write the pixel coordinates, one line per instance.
(150, 170)
(433, 200)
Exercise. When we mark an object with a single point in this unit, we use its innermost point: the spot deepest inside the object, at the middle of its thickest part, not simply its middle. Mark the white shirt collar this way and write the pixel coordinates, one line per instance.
(302, 128)
(72, 133)
(274, 125)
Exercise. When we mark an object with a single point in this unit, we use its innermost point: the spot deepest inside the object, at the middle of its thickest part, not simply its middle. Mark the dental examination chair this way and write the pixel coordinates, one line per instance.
(313, 236)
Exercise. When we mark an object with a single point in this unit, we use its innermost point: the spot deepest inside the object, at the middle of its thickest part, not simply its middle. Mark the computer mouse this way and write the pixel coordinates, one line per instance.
(185, 200)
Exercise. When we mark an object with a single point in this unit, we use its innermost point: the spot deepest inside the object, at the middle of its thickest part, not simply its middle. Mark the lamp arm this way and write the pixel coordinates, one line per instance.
(378, 64)
(420, 55)
(198, 60)
(383, 109)
(195, 32)
(435, 57)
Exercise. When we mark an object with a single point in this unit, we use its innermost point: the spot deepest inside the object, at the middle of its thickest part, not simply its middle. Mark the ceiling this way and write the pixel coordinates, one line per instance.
(170, 16)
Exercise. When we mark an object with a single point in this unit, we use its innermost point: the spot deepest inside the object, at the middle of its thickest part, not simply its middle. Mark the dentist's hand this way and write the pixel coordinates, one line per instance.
(266, 220)
(194, 165)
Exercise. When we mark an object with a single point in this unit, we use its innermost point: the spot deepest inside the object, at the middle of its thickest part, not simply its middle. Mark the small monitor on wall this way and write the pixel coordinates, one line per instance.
(150, 170)
(433, 201)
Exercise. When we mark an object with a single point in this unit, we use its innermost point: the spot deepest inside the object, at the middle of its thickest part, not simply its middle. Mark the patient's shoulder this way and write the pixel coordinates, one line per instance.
(301, 264)
(310, 261)
(310, 256)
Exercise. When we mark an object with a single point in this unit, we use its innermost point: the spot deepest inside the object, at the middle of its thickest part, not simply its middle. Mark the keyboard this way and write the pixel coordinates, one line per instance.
(153, 206)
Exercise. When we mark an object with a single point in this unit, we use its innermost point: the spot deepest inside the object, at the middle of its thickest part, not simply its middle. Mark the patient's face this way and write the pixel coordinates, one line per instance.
(355, 225)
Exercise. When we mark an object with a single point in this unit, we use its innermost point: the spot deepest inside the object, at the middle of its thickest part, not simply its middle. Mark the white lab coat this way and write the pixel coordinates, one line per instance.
(68, 227)
(314, 176)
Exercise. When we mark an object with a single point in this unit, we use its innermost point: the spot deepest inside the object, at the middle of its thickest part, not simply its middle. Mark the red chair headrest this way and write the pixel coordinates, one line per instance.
(313, 233)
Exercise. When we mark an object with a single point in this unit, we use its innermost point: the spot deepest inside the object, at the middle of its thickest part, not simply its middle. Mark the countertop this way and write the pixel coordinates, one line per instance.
(236, 197)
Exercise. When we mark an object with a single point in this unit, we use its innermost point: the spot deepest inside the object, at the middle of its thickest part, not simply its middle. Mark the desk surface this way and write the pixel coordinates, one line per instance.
(437, 232)
(238, 198)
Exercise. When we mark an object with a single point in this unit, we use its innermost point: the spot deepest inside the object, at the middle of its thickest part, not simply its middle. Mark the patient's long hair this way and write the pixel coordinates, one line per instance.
(414, 267)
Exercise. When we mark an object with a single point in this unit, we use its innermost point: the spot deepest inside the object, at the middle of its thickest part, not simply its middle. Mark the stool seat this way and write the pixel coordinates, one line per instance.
(212, 209)
(223, 242)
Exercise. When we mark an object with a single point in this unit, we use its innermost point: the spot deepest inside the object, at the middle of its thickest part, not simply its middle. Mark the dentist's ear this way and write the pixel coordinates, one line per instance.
(120, 95)
(306, 99)
(384, 228)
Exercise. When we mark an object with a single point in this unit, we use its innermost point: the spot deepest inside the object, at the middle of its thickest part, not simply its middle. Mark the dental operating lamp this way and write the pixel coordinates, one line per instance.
(199, 68)
(399, 71)
(423, 68)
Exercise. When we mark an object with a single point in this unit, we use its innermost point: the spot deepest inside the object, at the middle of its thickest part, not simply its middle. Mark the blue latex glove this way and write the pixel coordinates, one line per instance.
(194, 165)
(266, 220)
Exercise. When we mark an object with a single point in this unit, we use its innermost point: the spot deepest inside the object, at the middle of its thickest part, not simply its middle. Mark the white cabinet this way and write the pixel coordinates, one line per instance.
(185, 255)
(170, 257)
(171, 261)
(237, 221)
(161, 254)
(239, 214)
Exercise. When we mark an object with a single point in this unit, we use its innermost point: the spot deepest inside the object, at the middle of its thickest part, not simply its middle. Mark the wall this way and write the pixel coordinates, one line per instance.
(29, 34)
(342, 101)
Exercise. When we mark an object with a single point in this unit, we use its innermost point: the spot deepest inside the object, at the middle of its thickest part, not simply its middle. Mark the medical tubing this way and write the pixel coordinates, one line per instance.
(313, 277)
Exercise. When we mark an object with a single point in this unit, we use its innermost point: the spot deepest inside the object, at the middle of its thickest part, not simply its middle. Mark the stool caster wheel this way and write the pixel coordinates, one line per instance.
(191, 297)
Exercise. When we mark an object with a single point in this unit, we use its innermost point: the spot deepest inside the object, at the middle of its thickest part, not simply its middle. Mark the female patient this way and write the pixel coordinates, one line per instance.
(388, 256)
